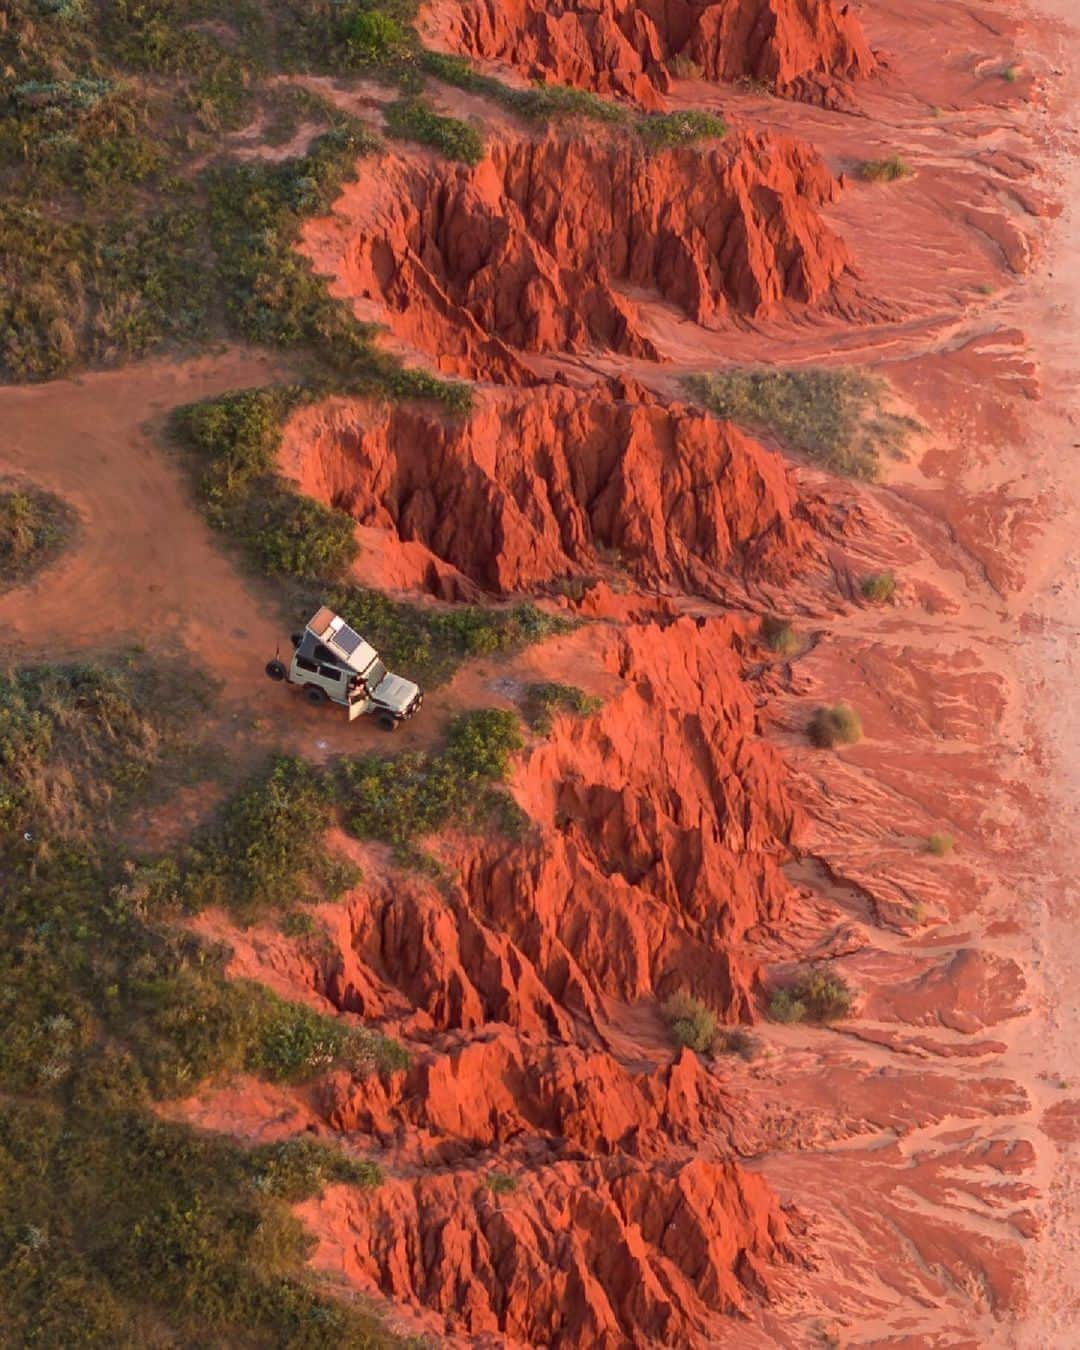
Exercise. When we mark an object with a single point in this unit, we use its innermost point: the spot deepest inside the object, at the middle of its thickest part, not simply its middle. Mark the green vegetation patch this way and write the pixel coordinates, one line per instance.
(940, 844)
(879, 587)
(119, 1229)
(79, 291)
(544, 103)
(77, 741)
(543, 701)
(833, 726)
(818, 994)
(779, 635)
(834, 416)
(691, 1023)
(401, 799)
(890, 170)
(411, 119)
(35, 527)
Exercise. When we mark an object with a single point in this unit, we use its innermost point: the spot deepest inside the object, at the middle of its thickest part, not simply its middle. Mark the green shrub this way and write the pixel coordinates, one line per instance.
(370, 37)
(889, 170)
(690, 1022)
(824, 994)
(293, 1169)
(402, 798)
(411, 119)
(818, 994)
(267, 849)
(1011, 74)
(34, 527)
(879, 587)
(779, 636)
(431, 642)
(838, 725)
(500, 1183)
(785, 1007)
(664, 131)
(940, 844)
(834, 416)
(544, 700)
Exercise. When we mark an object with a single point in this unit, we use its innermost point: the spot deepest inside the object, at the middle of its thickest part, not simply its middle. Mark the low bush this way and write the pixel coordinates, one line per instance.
(500, 1183)
(267, 849)
(665, 131)
(779, 635)
(401, 799)
(838, 725)
(817, 994)
(431, 642)
(889, 170)
(879, 587)
(411, 119)
(940, 844)
(691, 1023)
(786, 1008)
(34, 527)
(543, 701)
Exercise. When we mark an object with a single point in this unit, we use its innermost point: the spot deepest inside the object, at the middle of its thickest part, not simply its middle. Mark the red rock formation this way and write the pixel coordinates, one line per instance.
(541, 484)
(526, 251)
(602, 1254)
(805, 49)
(502, 1090)
(634, 883)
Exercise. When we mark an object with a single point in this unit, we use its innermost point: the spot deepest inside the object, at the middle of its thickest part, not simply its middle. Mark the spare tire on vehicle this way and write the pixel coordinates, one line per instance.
(276, 670)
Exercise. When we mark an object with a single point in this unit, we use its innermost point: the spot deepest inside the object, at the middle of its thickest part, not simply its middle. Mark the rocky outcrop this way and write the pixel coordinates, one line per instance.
(544, 484)
(531, 250)
(605, 1254)
(805, 49)
(633, 883)
(524, 1096)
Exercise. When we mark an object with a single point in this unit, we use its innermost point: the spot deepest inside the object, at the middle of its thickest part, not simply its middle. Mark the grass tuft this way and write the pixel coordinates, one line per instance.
(940, 844)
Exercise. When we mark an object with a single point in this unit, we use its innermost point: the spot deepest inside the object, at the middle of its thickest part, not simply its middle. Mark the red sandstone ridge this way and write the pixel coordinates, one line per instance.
(578, 1255)
(527, 251)
(540, 484)
(805, 49)
(632, 883)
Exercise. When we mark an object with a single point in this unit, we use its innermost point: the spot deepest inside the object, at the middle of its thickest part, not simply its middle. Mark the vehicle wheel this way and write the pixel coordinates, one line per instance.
(387, 722)
(314, 695)
(276, 670)
(296, 639)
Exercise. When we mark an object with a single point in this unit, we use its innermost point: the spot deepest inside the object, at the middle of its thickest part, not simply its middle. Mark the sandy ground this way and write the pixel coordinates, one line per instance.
(1050, 672)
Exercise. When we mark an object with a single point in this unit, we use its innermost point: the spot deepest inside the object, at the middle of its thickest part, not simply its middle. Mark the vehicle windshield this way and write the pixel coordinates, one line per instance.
(375, 674)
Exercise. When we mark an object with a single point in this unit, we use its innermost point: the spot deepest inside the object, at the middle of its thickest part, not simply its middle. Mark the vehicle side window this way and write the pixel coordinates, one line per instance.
(304, 664)
(329, 673)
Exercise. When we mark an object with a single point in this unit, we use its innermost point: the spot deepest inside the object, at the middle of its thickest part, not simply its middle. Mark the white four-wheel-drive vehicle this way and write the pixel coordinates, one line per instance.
(334, 664)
